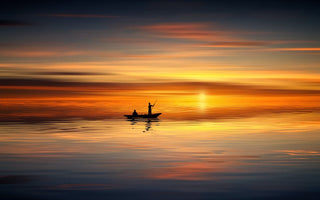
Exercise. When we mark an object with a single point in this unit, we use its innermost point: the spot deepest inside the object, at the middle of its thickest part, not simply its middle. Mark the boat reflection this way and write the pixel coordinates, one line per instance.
(148, 123)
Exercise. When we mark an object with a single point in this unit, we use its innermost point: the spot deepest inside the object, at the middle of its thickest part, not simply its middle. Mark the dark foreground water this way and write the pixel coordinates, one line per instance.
(274, 157)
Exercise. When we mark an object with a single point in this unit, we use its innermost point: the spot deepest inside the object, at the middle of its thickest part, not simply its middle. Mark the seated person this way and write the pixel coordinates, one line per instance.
(134, 113)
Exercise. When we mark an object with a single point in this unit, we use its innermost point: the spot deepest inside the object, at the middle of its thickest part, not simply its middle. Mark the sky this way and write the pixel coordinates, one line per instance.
(197, 59)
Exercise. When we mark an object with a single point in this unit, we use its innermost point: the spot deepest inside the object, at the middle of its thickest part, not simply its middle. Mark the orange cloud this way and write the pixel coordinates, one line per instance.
(222, 88)
(236, 44)
(296, 49)
(193, 31)
(300, 152)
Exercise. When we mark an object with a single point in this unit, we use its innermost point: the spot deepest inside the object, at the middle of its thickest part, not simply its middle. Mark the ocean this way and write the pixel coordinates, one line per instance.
(267, 157)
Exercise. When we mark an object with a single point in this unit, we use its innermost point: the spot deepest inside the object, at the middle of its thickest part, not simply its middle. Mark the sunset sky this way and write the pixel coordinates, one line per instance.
(197, 59)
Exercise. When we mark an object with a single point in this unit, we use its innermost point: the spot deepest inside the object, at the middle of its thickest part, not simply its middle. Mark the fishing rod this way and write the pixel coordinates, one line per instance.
(155, 103)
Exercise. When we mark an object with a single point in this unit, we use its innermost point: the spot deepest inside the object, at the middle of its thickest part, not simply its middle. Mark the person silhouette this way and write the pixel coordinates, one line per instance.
(150, 109)
(134, 113)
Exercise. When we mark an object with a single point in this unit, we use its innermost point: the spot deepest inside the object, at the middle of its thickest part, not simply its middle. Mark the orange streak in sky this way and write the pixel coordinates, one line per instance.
(296, 49)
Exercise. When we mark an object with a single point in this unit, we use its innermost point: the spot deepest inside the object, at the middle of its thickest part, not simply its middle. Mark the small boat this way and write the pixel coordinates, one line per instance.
(149, 115)
(155, 115)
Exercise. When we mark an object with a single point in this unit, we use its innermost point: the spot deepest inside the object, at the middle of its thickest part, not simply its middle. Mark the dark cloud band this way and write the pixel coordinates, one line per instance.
(4, 23)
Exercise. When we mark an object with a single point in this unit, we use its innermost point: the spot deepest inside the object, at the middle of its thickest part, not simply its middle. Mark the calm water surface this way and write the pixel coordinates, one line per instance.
(273, 157)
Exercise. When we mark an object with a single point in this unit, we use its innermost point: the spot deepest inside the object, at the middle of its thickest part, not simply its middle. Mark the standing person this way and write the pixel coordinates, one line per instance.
(150, 109)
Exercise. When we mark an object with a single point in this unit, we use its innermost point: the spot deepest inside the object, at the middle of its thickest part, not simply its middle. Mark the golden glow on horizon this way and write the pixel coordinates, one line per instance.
(173, 106)
(202, 101)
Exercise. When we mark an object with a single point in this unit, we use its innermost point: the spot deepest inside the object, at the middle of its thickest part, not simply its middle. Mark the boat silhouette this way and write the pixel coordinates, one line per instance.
(149, 115)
